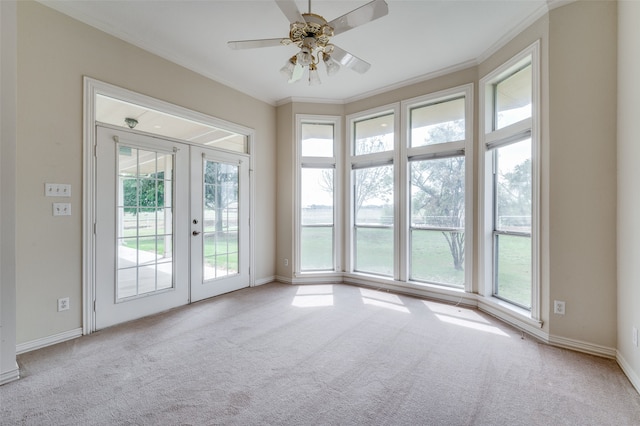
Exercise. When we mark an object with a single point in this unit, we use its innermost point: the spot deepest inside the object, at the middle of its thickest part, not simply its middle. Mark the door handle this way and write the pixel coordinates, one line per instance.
(194, 233)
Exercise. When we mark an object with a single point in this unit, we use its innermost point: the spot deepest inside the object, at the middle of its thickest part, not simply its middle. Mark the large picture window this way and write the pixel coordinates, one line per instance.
(317, 195)
(373, 194)
(438, 146)
(510, 182)
(512, 227)
(410, 169)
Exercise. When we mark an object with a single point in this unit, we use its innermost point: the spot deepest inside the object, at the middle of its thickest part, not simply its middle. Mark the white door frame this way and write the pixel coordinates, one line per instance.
(92, 88)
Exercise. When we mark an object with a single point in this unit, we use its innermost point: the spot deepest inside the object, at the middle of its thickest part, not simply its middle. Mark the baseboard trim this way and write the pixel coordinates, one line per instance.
(582, 346)
(48, 341)
(284, 280)
(626, 368)
(264, 281)
(303, 279)
(10, 376)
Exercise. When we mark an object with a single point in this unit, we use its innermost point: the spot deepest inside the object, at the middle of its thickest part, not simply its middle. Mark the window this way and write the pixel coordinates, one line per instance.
(512, 227)
(145, 221)
(317, 194)
(510, 175)
(373, 194)
(410, 168)
(374, 220)
(438, 147)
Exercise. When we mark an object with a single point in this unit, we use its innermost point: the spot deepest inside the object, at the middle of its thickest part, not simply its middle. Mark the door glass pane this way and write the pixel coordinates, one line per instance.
(374, 135)
(437, 220)
(438, 123)
(317, 216)
(144, 218)
(513, 98)
(220, 215)
(317, 140)
(374, 220)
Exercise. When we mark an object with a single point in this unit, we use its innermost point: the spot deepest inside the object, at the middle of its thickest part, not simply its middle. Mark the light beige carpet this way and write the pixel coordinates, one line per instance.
(326, 355)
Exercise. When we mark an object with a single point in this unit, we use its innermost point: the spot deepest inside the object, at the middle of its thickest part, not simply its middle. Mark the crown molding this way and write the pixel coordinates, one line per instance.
(519, 28)
(412, 81)
(294, 99)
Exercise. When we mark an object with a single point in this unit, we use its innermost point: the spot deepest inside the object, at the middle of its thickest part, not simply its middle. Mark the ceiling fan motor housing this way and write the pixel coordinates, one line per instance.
(315, 26)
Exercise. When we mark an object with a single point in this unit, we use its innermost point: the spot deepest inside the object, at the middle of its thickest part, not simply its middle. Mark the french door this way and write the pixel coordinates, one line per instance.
(220, 222)
(171, 224)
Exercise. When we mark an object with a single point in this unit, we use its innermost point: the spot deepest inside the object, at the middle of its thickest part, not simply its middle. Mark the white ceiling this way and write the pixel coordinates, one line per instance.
(416, 40)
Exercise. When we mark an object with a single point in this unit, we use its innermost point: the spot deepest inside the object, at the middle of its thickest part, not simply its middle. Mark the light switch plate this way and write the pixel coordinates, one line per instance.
(57, 190)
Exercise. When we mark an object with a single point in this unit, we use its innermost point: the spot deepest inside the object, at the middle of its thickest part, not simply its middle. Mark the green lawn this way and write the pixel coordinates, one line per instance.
(514, 269)
(224, 244)
(431, 259)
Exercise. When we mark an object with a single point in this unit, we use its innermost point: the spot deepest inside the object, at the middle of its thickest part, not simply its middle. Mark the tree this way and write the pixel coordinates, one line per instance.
(440, 195)
(147, 191)
(439, 200)
(370, 183)
(221, 189)
(514, 195)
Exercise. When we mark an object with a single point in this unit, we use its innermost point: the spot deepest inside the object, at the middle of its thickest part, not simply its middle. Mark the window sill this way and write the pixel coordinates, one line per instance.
(514, 315)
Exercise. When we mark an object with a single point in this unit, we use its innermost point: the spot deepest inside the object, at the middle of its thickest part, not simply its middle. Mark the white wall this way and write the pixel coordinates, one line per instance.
(54, 53)
(628, 189)
(8, 60)
(582, 176)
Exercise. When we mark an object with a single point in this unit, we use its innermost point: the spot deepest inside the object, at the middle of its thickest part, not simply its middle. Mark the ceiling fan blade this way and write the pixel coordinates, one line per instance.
(367, 13)
(252, 44)
(350, 61)
(290, 10)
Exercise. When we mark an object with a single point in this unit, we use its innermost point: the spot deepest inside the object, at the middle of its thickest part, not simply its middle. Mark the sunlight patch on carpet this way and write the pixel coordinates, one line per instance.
(309, 296)
(383, 300)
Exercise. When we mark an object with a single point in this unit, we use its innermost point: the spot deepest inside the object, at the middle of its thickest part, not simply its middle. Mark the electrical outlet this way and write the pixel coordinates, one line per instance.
(634, 336)
(63, 304)
(558, 307)
(286, 262)
(62, 209)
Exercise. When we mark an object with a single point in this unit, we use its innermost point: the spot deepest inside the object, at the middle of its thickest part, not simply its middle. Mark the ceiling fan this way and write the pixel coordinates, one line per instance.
(312, 34)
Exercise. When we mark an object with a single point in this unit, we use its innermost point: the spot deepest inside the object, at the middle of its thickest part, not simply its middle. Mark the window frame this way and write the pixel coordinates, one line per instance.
(463, 148)
(318, 163)
(354, 162)
(490, 140)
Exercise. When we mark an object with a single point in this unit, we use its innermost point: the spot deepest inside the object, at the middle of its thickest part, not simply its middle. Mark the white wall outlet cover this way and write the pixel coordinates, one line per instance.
(62, 209)
(63, 304)
(558, 307)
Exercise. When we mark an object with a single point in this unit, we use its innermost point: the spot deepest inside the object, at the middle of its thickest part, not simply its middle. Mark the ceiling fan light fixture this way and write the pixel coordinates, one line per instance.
(311, 33)
(287, 69)
(304, 57)
(331, 65)
(314, 77)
